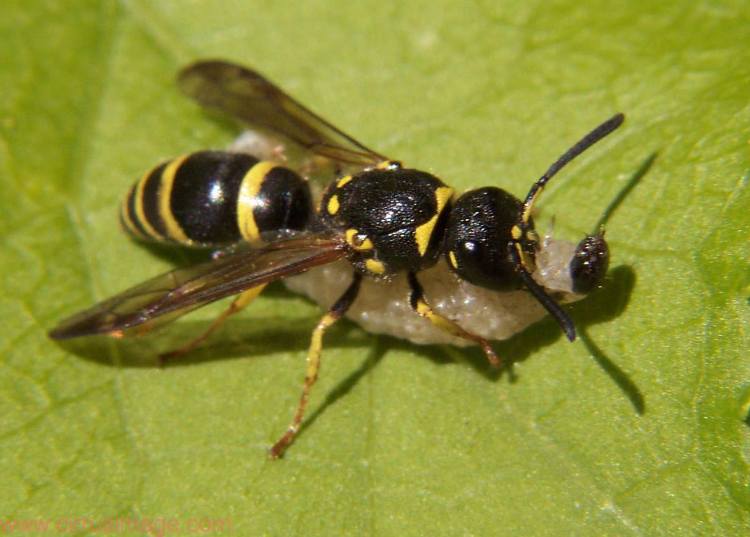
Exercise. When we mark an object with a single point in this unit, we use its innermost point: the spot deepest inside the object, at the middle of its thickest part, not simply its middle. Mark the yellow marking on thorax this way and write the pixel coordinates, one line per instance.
(375, 266)
(452, 259)
(344, 180)
(361, 243)
(387, 165)
(516, 233)
(333, 204)
(423, 233)
(249, 189)
(174, 230)
(139, 212)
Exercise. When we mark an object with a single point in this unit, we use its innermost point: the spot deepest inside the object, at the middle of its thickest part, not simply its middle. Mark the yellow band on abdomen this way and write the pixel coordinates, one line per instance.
(248, 198)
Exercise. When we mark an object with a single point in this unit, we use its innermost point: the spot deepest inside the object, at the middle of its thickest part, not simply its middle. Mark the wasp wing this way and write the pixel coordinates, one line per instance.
(182, 290)
(248, 96)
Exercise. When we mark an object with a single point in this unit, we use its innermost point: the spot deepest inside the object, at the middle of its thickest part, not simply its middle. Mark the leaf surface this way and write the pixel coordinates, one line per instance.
(639, 428)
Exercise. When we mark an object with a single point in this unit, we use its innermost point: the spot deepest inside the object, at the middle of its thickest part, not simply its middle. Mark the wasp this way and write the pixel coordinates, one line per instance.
(260, 215)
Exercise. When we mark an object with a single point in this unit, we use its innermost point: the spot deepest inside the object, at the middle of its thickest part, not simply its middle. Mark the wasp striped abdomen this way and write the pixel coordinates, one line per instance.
(213, 198)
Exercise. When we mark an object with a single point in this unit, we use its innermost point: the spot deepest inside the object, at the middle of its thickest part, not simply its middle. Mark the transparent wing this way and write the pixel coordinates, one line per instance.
(246, 95)
(182, 290)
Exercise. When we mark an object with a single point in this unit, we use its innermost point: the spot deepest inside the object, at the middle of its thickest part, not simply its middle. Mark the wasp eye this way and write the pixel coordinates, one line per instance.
(590, 263)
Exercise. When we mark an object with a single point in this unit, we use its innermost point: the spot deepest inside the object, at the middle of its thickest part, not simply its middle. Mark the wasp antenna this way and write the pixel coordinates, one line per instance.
(583, 144)
(552, 307)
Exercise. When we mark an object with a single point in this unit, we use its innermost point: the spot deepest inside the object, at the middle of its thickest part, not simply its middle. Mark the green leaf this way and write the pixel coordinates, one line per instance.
(641, 427)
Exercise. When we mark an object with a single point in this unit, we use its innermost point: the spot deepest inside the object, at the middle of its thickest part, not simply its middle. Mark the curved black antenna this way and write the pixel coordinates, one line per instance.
(520, 232)
(583, 144)
(554, 309)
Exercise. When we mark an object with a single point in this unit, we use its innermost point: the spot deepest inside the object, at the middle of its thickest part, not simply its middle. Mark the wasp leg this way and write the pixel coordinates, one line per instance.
(237, 305)
(313, 362)
(419, 304)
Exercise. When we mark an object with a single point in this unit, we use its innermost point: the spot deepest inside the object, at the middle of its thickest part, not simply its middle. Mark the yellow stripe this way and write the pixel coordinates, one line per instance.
(341, 182)
(524, 257)
(453, 260)
(174, 230)
(350, 235)
(387, 165)
(126, 218)
(247, 199)
(375, 266)
(139, 212)
(333, 204)
(423, 233)
(356, 241)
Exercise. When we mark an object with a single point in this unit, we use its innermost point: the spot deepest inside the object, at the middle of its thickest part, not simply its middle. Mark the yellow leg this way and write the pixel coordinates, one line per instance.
(420, 305)
(239, 303)
(313, 363)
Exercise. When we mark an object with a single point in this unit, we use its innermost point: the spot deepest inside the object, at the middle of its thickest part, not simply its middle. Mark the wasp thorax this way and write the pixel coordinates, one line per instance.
(393, 219)
(482, 224)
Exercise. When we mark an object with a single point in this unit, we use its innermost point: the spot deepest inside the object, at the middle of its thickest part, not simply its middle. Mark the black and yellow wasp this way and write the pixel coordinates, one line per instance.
(382, 217)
